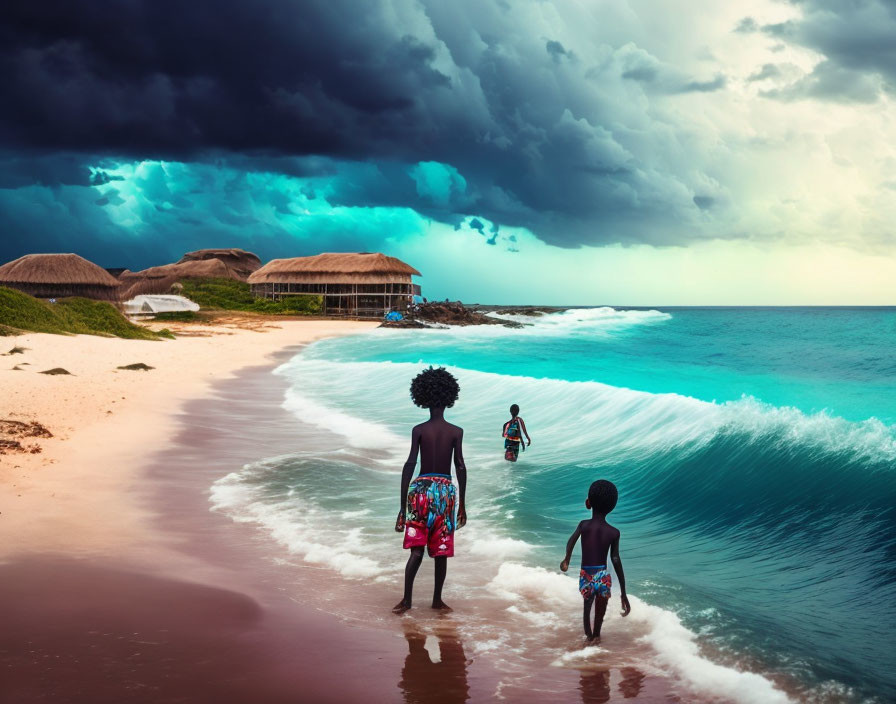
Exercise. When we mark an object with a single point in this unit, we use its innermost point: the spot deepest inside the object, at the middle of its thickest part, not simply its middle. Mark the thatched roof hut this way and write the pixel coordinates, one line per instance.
(58, 276)
(336, 267)
(363, 284)
(234, 264)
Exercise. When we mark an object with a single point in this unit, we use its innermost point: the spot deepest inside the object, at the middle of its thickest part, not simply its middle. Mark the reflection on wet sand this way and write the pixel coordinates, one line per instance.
(632, 682)
(595, 685)
(426, 682)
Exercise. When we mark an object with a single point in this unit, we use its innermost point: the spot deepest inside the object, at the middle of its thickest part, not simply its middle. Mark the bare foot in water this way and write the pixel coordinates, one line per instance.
(401, 607)
(441, 606)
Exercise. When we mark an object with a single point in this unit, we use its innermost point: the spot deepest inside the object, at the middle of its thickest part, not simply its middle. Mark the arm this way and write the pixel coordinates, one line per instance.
(617, 565)
(570, 544)
(460, 469)
(526, 432)
(406, 472)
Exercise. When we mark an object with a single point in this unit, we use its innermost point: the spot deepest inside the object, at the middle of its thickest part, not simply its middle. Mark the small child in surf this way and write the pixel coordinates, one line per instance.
(598, 538)
(513, 435)
(427, 514)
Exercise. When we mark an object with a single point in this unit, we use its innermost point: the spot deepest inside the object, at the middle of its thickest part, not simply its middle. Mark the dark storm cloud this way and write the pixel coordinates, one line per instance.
(45, 170)
(556, 50)
(299, 87)
(857, 40)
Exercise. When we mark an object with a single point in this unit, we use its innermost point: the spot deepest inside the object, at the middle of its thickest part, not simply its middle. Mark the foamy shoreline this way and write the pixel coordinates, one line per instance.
(77, 494)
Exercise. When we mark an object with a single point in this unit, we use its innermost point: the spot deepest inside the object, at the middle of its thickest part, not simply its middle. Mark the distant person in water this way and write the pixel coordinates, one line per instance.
(598, 538)
(513, 435)
(427, 514)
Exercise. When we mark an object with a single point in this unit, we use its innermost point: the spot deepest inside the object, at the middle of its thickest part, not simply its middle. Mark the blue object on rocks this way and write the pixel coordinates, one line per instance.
(394, 315)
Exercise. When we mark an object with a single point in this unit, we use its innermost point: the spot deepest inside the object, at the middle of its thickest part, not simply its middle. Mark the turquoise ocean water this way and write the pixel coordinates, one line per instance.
(755, 455)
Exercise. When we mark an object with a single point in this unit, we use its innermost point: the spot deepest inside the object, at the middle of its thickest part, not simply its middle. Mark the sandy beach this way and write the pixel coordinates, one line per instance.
(98, 602)
(105, 421)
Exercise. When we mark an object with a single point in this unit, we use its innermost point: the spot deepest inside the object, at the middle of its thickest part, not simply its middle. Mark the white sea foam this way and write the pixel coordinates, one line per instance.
(357, 431)
(620, 421)
(676, 648)
(590, 655)
(542, 598)
(589, 320)
(298, 525)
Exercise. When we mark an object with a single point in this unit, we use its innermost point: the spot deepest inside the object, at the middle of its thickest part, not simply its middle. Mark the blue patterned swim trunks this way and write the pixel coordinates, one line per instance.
(595, 581)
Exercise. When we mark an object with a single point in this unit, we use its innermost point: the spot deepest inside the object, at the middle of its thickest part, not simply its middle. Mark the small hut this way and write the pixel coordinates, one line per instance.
(58, 276)
(363, 285)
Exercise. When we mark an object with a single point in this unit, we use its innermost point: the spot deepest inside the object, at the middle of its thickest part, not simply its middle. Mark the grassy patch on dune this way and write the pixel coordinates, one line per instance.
(180, 316)
(79, 316)
(228, 294)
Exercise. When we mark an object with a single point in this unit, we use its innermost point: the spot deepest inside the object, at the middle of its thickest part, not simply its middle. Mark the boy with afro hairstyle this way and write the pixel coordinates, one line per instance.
(598, 537)
(427, 514)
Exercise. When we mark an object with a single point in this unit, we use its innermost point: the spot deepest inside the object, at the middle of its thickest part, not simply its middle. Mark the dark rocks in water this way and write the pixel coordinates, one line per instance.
(438, 313)
(405, 323)
(56, 370)
(138, 367)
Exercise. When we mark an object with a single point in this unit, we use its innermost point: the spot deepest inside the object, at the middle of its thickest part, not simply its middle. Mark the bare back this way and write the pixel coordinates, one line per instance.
(438, 443)
(597, 538)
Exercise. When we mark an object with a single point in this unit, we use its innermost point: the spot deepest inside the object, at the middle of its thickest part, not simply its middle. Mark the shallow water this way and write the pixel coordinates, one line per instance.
(754, 451)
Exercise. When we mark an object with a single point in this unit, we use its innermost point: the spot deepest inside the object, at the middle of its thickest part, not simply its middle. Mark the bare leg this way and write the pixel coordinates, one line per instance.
(410, 572)
(587, 618)
(441, 571)
(600, 609)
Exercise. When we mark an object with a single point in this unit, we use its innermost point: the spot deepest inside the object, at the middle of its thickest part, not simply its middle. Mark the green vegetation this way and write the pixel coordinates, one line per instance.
(179, 316)
(228, 294)
(80, 316)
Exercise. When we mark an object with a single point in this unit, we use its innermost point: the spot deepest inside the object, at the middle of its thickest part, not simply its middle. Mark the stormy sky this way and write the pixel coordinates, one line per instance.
(629, 152)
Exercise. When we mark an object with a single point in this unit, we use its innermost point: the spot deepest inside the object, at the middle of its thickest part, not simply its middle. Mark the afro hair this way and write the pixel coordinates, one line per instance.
(434, 388)
(603, 496)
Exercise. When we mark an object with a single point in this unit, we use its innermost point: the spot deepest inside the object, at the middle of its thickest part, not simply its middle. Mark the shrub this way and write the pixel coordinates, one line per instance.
(80, 316)
(229, 294)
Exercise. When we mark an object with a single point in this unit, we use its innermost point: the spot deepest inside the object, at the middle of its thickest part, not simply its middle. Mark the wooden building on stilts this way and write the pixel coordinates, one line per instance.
(358, 285)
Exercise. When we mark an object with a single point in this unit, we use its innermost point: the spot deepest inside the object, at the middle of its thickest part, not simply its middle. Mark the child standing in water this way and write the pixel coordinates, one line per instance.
(428, 503)
(513, 434)
(598, 538)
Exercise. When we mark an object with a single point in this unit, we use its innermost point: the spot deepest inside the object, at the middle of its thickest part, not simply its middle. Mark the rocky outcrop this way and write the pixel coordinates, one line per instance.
(202, 264)
(238, 261)
(455, 313)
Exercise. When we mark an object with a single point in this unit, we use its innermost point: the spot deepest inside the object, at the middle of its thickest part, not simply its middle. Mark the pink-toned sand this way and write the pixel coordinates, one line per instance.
(75, 495)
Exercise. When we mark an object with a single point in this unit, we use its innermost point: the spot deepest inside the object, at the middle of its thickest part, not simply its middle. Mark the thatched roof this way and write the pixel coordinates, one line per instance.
(66, 269)
(239, 260)
(336, 264)
(200, 269)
